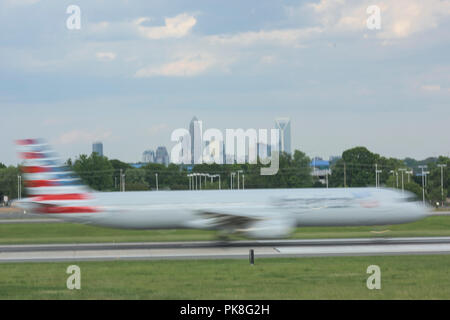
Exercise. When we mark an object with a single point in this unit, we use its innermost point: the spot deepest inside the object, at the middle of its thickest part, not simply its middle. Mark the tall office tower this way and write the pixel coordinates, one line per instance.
(162, 156)
(195, 130)
(148, 156)
(284, 125)
(98, 148)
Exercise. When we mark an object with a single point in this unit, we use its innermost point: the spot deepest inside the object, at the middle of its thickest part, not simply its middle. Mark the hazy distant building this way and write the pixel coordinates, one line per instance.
(320, 169)
(264, 150)
(148, 156)
(195, 130)
(284, 125)
(98, 148)
(162, 156)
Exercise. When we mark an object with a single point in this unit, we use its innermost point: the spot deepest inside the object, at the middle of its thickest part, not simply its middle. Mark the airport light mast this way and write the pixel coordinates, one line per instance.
(402, 170)
(423, 181)
(393, 174)
(239, 171)
(19, 187)
(409, 173)
(232, 176)
(377, 176)
(442, 166)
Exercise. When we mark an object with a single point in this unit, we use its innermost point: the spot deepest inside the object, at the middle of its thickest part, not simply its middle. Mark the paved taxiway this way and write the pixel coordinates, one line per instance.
(220, 250)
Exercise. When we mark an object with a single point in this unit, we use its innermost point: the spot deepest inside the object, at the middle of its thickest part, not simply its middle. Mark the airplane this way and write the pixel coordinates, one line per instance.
(57, 192)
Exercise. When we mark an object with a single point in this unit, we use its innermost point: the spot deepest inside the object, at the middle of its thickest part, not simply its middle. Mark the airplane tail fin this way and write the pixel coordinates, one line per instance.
(50, 185)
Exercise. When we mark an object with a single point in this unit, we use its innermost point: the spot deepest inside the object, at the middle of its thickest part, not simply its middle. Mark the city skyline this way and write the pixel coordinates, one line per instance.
(136, 73)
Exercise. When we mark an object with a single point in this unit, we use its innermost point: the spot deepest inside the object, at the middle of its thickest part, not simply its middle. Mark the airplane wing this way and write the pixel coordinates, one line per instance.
(262, 224)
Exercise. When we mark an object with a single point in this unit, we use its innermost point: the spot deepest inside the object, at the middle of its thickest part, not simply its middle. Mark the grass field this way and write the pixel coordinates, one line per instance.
(22, 233)
(402, 277)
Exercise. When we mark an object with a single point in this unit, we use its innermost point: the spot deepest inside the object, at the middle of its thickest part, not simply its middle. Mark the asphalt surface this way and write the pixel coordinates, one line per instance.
(224, 250)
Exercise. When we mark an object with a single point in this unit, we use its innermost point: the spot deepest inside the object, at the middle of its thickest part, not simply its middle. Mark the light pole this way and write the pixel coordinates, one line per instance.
(393, 174)
(156, 175)
(378, 177)
(402, 171)
(232, 178)
(239, 171)
(442, 166)
(423, 182)
(19, 186)
(409, 173)
(345, 176)
(120, 181)
(196, 182)
(396, 177)
(243, 181)
(216, 175)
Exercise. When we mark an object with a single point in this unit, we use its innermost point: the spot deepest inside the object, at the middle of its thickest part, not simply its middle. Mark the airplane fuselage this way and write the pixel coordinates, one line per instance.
(302, 207)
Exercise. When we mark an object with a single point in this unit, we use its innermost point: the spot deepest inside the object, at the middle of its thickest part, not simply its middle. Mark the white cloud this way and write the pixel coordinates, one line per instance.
(176, 27)
(431, 87)
(79, 136)
(399, 18)
(105, 56)
(278, 36)
(20, 2)
(186, 67)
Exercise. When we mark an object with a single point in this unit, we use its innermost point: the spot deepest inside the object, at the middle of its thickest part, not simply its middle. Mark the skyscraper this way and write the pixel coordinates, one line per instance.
(195, 130)
(98, 148)
(162, 156)
(284, 125)
(148, 156)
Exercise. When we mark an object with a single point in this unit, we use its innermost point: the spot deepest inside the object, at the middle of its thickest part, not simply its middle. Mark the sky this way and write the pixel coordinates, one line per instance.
(137, 70)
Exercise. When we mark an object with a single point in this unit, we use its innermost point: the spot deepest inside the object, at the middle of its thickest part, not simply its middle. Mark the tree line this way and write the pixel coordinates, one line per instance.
(356, 168)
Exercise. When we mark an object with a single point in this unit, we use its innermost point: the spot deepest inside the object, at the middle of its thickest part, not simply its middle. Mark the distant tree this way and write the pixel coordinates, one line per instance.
(2, 166)
(136, 180)
(117, 165)
(8, 181)
(358, 167)
(96, 171)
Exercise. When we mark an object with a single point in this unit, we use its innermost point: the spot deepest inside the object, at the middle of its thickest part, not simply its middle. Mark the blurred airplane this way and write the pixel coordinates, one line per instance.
(57, 192)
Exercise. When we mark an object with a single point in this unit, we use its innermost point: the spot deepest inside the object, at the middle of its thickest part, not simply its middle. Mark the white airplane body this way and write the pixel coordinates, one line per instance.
(256, 213)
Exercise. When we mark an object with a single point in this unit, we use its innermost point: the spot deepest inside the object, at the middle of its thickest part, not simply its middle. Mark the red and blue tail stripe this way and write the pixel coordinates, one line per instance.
(52, 187)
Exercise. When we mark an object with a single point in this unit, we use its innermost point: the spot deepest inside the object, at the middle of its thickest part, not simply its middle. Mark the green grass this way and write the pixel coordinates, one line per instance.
(402, 277)
(74, 233)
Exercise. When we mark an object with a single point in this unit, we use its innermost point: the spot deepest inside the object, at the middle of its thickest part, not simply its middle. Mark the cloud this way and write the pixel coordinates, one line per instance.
(277, 36)
(105, 56)
(176, 27)
(186, 67)
(399, 18)
(79, 136)
(431, 87)
(20, 2)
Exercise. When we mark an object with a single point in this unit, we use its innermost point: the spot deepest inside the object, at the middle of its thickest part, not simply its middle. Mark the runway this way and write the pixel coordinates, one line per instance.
(224, 250)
